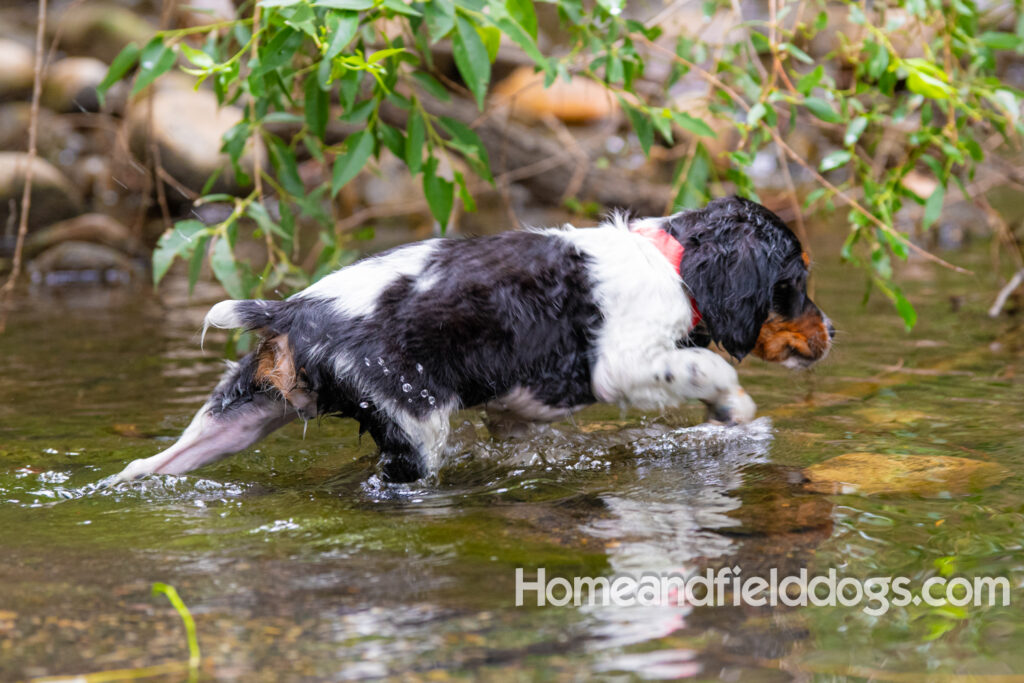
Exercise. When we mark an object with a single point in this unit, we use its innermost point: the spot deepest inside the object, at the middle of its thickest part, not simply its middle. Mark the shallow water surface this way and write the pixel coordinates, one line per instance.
(297, 563)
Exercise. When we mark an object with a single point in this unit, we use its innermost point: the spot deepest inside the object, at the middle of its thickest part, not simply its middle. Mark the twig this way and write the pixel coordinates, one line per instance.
(1004, 294)
(26, 193)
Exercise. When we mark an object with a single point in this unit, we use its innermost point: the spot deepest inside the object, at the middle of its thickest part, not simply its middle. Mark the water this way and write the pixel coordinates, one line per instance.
(298, 563)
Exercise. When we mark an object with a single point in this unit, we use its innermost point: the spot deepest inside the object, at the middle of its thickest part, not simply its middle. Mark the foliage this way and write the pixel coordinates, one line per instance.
(290, 59)
(194, 657)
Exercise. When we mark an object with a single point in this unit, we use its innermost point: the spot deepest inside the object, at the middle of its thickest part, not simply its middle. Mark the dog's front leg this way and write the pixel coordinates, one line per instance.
(669, 377)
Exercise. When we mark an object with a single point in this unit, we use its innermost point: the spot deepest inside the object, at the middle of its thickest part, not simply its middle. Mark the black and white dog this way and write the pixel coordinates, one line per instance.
(531, 325)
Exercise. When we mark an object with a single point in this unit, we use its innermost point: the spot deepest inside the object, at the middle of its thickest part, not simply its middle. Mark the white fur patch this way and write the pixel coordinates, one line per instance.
(356, 289)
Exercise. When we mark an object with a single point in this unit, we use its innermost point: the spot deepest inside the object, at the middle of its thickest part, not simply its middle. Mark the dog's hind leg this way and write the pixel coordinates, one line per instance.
(246, 406)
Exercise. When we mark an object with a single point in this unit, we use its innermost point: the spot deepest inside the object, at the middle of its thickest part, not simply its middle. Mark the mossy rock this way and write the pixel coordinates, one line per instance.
(923, 475)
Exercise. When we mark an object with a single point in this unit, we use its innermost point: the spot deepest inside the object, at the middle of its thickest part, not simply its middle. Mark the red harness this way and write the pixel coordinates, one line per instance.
(672, 250)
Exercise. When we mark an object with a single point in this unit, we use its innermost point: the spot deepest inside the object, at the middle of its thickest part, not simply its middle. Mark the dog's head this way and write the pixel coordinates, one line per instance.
(748, 274)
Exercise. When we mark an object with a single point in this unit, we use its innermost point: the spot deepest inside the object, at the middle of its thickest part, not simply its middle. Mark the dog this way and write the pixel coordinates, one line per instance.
(532, 325)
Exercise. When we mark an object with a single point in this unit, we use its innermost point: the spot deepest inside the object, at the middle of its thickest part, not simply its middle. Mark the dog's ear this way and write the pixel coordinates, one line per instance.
(732, 286)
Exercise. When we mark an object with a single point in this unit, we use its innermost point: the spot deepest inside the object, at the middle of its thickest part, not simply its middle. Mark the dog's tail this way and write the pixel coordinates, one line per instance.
(247, 314)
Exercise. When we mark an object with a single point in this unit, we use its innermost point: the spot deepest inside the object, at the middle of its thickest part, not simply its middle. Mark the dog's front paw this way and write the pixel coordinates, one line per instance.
(734, 407)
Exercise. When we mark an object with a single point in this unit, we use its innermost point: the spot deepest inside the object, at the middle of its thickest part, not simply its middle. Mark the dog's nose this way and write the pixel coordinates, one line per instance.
(831, 329)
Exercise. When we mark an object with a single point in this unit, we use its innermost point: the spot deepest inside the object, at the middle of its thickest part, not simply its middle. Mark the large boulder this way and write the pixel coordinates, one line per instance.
(188, 126)
(54, 198)
(17, 71)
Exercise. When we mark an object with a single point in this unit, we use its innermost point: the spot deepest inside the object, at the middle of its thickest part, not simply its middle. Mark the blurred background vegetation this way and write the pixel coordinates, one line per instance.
(266, 144)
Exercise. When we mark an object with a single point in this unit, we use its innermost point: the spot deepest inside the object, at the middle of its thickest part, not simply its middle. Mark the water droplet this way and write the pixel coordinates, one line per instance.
(402, 378)
(386, 371)
(431, 400)
(364, 405)
(407, 387)
(408, 400)
(419, 368)
(367, 361)
(424, 393)
(380, 361)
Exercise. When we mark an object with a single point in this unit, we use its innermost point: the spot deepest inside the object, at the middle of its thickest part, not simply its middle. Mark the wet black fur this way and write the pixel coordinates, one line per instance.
(741, 262)
(516, 309)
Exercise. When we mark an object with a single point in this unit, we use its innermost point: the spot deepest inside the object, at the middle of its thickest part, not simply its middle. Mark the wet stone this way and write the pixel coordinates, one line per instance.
(16, 74)
(94, 228)
(54, 198)
(923, 475)
(70, 84)
(83, 263)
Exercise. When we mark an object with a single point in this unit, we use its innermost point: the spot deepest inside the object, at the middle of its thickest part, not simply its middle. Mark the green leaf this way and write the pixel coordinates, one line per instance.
(641, 124)
(822, 109)
(933, 207)
(662, 121)
(414, 142)
(835, 160)
(177, 241)
(156, 59)
(226, 269)
(491, 38)
(927, 79)
(1000, 41)
(472, 59)
(432, 86)
(399, 7)
(797, 52)
(855, 130)
(464, 195)
(756, 113)
(808, 82)
(341, 27)
(440, 17)
(283, 160)
(467, 139)
(316, 107)
(522, 13)
(694, 125)
(346, 167)
(124, 61)
(438, 192)
(392, 139)
(195, 264)
(196, 56)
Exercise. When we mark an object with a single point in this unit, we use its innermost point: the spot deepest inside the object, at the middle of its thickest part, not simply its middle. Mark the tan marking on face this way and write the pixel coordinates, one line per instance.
(276, 367)
(806, 258)
(805, 337)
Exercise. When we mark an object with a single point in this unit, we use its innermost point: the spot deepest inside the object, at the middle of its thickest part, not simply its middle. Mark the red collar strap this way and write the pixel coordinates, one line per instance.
(672, 250)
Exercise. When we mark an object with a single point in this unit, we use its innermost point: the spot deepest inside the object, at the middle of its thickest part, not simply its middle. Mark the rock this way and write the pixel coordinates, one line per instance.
(188, 126)
(76, 263)
(94, 228)
(17, 72)
(100, 30)
(55, 132)
(203, 12)
(54, 198)
(71, 84)
(923, 475)
(579, 100)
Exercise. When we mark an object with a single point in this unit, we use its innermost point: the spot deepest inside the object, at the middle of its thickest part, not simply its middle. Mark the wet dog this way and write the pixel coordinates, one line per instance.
(531, 325)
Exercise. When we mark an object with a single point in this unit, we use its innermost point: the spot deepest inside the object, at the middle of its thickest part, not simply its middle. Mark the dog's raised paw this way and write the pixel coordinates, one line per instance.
(736, 407)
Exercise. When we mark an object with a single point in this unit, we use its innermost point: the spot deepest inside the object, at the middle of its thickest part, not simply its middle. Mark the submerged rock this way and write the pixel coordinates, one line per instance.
(923, 475)
(77, 263)
(16, 74)
(94, 228)
(71, 84)
(188, 126)
(204, 12)
(54, 198)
